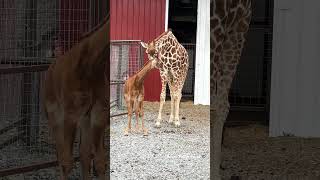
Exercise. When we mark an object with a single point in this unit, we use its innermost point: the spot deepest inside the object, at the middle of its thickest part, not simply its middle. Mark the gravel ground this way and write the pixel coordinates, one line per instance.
(183, 153)
(249, 152)
(167, 152)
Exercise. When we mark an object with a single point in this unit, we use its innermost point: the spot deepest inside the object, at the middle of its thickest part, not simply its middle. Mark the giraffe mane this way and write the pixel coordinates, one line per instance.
(103, 22)
(164, 33)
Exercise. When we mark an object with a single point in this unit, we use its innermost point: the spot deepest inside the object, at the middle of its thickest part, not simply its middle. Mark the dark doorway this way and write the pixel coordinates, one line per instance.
(182, 19)
(250, 91)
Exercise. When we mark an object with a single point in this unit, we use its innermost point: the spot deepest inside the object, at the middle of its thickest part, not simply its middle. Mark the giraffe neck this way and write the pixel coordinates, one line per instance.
(171, 54)
(93, 52)
(229, 23)
(140, 75)
(100, 37)
(161, 35)
(166, 38)
(164, 45)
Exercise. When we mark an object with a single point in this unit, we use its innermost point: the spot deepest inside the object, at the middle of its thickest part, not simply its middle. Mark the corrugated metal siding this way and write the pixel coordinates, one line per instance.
(139, 20)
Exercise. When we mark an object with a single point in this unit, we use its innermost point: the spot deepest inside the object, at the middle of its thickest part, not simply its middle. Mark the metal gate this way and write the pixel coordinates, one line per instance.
(32, 34)
(126, 59)
(251, 85)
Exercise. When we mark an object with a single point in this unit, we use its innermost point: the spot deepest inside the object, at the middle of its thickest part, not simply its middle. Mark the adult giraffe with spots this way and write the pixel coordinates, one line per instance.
(173, 63)
(229, 24)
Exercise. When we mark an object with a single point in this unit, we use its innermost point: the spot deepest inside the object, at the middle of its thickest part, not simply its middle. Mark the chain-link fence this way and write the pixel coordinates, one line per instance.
(126, 60)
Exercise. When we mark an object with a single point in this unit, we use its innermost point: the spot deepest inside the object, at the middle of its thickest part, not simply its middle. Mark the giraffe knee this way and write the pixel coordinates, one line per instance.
(179, 96)
(163, 97)
(221, 111)
(141, 113)
(176, 96)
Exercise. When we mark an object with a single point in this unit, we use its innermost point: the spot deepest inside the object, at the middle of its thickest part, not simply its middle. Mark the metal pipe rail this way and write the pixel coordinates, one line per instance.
(25, 169)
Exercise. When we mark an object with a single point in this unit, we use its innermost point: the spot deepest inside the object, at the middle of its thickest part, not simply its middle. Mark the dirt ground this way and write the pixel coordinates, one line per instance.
(167, 152)
(249, 152)
(184, 153)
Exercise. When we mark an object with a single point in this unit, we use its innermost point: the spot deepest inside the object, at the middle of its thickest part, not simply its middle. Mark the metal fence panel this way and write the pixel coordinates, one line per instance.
(32, 34)
(188, 88)
(251, 86)
(126, 59)
(24, 134)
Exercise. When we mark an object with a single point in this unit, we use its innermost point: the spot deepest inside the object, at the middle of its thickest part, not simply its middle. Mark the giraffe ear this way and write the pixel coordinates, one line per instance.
(143, 44)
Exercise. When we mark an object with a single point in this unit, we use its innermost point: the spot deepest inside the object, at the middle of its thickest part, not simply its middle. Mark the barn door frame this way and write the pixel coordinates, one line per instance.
(166, 20)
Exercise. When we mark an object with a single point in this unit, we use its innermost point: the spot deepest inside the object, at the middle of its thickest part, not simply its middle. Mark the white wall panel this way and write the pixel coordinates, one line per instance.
(202, 68)
(295, 82)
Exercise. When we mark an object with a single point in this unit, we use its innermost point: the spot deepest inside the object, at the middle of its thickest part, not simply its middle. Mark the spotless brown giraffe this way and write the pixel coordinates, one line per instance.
(173, 64)
(134, 95)
(229, 24)
(76, 98)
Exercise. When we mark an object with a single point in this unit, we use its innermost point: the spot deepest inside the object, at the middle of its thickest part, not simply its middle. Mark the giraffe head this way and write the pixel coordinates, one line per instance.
(151, 51)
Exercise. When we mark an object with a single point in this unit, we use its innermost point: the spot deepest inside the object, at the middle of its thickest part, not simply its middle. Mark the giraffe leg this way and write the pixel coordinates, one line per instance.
(98, 125)
(220, 112)
(56, 125)
(172, 103)
(176, 105)
(69, 136)
(217, 123)
(141, 114)
(223, 135)
(217, 133)
(136, 106)
(162, 100)
(129, 107)
(85, 148)
(172, 109)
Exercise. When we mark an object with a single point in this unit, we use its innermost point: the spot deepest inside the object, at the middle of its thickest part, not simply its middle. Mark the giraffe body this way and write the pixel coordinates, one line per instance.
(173, 64)
(229, 21)
(134, 96)
(75, 99)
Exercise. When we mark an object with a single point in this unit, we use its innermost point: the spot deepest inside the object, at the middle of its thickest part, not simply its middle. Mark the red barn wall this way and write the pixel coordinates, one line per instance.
(139, 20)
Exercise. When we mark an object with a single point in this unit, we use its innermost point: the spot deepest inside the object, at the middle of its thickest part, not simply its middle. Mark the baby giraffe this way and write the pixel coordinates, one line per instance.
(134, 95)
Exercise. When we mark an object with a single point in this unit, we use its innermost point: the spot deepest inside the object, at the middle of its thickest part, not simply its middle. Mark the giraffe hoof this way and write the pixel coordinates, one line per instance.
(126, 132)
(158, 124)
(177, 123)
(145, 132)
(170, 119)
